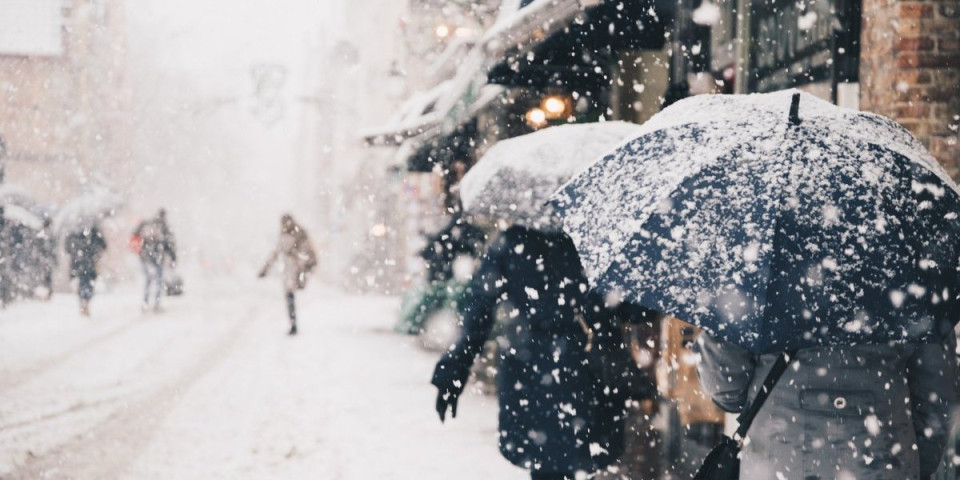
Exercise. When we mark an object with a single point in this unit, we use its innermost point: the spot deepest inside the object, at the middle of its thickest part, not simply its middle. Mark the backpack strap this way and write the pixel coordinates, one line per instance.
(748, 414)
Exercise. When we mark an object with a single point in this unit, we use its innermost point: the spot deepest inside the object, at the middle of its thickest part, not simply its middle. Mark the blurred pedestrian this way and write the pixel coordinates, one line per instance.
(155, 244)
(85, 247)
(45, 256)
(558, 417)
(867, 412)
(297, 259)
(5, 258)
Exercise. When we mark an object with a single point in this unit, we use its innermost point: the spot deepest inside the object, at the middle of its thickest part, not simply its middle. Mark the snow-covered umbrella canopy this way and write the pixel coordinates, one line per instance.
(22, 216)
(86, 211)
(774, 224)
(515, 178)
(12, 194)
(17, 199)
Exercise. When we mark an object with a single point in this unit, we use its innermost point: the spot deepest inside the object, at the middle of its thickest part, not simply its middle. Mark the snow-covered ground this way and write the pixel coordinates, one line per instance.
(213, 387)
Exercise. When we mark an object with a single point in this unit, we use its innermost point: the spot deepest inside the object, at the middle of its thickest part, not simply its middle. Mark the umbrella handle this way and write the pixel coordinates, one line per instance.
(587, 330)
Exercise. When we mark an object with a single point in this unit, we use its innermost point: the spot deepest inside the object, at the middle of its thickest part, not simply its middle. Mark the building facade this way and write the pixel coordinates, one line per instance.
(910, 70)
(64, 100)
(897, 58)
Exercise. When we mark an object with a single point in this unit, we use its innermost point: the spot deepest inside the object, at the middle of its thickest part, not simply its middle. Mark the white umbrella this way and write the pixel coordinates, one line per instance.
(516, 177)
(22, 216)
(87, 210)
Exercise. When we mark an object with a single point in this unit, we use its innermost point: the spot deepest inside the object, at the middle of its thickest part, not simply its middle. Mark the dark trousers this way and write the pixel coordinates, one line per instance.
(154, 274)
(291, 309)
(85, 285)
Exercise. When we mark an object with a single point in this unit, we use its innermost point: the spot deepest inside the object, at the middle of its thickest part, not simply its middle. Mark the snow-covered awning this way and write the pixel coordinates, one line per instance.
(446, 65)
(416, 116)
(455, 101)
(450, 104)
(448, 140)
(551, 43)
(519, 26)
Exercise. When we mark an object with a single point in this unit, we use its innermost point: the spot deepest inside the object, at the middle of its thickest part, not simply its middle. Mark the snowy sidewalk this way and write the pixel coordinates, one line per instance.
(213, 388)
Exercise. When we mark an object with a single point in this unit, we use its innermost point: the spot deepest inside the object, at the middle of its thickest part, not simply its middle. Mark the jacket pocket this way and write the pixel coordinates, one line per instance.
(838, 402)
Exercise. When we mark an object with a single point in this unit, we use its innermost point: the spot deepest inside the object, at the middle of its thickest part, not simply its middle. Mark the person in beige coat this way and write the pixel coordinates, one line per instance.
(867, 412)
(297, 259)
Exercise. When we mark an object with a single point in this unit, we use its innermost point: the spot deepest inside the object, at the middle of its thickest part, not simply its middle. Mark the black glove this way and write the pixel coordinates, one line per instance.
(447, 399)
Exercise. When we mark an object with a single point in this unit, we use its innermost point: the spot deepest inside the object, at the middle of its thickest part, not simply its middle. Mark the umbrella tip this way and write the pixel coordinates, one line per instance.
(795, 109)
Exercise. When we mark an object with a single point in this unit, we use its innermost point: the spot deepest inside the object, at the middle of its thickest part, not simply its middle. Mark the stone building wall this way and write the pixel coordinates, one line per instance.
(65, 118)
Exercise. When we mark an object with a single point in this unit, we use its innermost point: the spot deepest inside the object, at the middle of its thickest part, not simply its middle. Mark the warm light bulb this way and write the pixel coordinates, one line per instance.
(378, 230)
(443, 31)
(554, 105)
(536, 117)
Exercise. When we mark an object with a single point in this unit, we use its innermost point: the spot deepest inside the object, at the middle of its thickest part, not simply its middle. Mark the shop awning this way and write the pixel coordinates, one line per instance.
(441, 150)
(524, 23)
(542, 53)
(417, 116)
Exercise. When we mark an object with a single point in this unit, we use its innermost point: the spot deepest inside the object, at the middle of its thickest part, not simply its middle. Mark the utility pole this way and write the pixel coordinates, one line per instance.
(743, 45)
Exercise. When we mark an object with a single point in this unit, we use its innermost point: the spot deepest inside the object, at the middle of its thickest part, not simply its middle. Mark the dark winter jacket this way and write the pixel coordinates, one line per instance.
(456, 238)
(158, 243)
(84, 249)
(870, 412)
(554, 412)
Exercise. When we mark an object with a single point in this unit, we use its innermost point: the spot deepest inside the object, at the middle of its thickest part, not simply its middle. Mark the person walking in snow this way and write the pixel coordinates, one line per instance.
(864, 412)
(557, 417)
(297, 260)
(156, 246)
(84, 248)
(44, 255)
(5, 260)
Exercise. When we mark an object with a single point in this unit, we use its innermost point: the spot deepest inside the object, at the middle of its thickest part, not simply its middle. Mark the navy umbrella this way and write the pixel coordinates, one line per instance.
(775, 221)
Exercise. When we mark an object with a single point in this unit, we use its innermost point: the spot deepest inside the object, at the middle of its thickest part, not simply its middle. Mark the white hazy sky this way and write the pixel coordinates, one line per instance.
(224, 175)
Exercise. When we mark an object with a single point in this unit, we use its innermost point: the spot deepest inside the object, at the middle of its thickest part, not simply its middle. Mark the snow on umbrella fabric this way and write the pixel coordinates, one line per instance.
(773, 230)
(10, 194)
(22, 216)
(515, 178)
(86, 211)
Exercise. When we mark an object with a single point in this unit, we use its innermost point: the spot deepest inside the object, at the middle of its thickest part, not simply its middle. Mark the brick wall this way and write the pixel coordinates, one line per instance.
(910, 70)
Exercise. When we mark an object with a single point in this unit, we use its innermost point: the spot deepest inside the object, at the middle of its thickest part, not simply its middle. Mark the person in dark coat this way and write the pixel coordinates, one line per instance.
(556, 417)
(867, 412)
(457, 238)
(85, 247)
(157, 245)
(5, 258)
(45, 255)
(458, 241)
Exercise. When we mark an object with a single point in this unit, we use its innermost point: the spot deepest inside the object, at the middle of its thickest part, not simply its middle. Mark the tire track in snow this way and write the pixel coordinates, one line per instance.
(107, 449)
(15, 379)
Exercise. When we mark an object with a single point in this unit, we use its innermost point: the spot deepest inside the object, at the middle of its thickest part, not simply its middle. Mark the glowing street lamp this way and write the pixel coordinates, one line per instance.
(378, 230)
(536, 117)
(442, 31)
(555, 106)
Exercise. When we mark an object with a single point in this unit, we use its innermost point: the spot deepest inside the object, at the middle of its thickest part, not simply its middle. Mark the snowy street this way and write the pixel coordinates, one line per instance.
(600, 238)
(213, 387)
